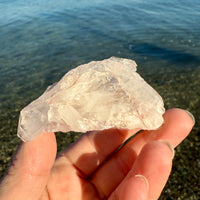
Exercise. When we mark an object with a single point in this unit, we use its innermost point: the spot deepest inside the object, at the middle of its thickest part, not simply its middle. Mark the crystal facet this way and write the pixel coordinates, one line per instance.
(94, 96)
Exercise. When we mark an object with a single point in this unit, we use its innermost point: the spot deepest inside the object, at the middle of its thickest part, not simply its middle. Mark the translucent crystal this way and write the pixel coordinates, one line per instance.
(94, 96)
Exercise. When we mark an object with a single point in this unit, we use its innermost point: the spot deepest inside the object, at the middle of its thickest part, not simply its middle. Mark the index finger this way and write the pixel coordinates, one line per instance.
(177, 125)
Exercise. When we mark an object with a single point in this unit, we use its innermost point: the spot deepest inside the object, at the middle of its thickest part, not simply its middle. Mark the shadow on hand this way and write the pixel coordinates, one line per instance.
(106, 160)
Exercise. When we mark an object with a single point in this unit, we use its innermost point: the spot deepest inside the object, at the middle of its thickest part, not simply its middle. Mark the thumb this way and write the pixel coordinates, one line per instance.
(28, 174)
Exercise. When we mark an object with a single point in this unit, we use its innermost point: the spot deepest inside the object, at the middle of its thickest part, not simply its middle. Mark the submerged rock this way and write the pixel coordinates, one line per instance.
(94, 96)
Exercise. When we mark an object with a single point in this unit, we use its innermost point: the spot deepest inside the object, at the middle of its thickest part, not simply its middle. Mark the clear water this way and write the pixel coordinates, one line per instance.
(41, 40)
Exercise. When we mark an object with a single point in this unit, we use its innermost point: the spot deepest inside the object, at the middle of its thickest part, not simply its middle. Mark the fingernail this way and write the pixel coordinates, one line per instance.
(191, 115)
(169, 145)
(144, 179)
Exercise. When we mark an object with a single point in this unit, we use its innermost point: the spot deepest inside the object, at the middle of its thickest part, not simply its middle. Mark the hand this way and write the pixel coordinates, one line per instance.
(94, 168)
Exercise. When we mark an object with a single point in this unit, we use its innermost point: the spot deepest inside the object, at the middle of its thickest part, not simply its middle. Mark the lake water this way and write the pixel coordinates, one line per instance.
(41, 40)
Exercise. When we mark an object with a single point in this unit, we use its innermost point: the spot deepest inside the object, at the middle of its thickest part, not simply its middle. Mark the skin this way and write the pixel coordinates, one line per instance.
(94, 167)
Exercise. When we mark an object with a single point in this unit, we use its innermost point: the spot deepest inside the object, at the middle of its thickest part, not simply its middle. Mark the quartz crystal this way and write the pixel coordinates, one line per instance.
(94, 96)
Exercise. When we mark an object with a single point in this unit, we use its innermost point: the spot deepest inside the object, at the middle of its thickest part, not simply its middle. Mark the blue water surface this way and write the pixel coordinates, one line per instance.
(41, 40)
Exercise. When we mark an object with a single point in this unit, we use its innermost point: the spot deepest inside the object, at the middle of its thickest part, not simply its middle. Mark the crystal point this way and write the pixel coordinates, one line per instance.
(94, 96)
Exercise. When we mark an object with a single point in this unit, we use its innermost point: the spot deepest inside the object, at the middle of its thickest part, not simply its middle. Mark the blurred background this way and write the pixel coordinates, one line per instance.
(41, 40)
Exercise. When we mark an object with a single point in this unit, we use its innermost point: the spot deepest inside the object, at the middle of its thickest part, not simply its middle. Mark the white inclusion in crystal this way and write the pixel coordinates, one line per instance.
(94, 96)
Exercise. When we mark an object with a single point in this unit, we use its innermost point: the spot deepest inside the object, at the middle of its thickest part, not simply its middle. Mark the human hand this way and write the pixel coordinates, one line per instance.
(94, 167)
